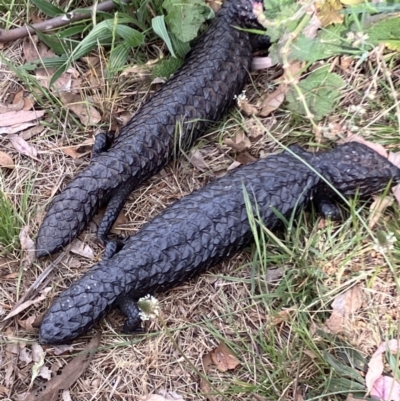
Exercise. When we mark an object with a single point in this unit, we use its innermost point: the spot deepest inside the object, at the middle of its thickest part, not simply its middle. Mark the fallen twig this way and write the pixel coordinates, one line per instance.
(56, 22)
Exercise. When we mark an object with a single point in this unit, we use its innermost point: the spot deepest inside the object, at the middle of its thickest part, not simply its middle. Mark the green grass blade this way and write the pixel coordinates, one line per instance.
(49, 9)
(158, 25)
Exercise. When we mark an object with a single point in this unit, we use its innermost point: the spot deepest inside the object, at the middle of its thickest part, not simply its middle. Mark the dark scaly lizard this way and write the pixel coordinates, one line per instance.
(198, 94)
(203, 228)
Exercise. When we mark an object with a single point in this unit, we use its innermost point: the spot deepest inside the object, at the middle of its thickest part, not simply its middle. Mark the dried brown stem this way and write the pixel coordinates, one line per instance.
(53, 23)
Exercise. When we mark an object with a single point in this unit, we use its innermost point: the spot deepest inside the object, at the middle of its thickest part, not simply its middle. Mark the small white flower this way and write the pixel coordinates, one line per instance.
(149, 307)
(384, 242)
(241, 98)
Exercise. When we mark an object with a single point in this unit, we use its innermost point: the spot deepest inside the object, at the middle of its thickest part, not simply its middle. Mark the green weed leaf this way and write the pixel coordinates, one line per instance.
(49, 9)
(158, 25)
(133, 37)
(388, 29)
(58, 45)
(118, 58)
(321, 90)
(327, 44)
(185, 17)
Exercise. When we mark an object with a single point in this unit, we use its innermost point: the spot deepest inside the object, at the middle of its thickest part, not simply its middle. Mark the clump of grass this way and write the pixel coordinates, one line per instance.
(10, 224)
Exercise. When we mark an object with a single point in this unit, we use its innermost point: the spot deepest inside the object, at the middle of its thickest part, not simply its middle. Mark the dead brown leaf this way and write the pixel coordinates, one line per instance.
(79, 248)
(386, 388)
(281, 316)
(374, 146)
(292, 74)
(27, 324)
(241, 142)
(6, 160)
(87, 114)
(204, 384)
(62, 349)
(376, 365)
(396, 193)
(247, 108)
(23, 147)
(15, 106)
(121, 219)
(310, 31)
(394, 157)
(8, 363)
(345, 62)
(79, 150)
(27, 245)
(18, 117)
(215, 5)
(223, 358)
(344, 305)
(273, 100)
(69, 375)
(377, 208)
(23, 99)
(196, 158)
(30, 133)
(245, 158)
(328, 12)
(4, 390)
(14, 129)
(233, 165)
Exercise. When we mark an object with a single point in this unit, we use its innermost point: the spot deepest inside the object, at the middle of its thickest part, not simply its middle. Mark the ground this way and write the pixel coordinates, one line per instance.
(259, 326)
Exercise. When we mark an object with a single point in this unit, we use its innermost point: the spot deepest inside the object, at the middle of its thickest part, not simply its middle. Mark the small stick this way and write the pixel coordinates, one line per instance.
(56, 22)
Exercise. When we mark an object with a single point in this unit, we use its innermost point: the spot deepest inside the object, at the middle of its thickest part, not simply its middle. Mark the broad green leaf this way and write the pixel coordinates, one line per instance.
(49, 9)
(50, 62)
(181, 48)
(321, 91)
(382, 31)
(158, 25)
(342, 369)
(118, 58)
(133, 37)
(71, 31)
(59, 46)
(100, 34)
(185, 17)
(142, 11)
(327, 44)
(345, 385)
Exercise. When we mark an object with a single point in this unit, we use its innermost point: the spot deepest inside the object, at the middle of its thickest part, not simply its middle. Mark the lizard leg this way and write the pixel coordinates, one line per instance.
(133, 323)
(102, 142)
(260, 42)
(113, 209)
(113, 247)
(327, 207)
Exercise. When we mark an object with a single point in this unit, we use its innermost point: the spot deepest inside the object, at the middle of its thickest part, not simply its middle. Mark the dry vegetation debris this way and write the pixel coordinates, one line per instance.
(244, 330)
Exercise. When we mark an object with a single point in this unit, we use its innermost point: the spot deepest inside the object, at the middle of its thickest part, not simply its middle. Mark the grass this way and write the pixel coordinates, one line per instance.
(13, 214)
(268, 304)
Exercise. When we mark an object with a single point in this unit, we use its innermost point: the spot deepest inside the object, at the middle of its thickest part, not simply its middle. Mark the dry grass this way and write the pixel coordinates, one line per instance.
(273, 326)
